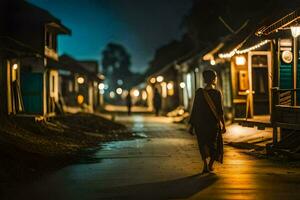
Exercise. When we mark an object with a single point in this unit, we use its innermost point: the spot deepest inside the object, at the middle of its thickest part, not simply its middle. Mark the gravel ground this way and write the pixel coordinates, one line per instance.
(28, 148)
(61, 136)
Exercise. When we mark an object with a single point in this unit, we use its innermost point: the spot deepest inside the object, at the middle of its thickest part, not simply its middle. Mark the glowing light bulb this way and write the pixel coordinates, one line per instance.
(212, 62)
(182, 85)
(119, 91)
(160, 79)
(15, 66)
(101, 86)
(80, 80)
(136, 93)
(295, 31)
(153, 80)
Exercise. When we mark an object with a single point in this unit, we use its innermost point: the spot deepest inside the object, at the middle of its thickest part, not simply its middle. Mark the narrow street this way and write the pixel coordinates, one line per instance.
(95, 97)
(164, 163)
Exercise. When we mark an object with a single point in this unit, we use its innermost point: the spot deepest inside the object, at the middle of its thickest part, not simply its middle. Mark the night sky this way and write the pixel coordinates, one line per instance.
(140, 25)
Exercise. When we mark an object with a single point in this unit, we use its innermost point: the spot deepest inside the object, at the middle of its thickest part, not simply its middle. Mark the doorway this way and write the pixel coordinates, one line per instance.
(260, 82)
(260, 87)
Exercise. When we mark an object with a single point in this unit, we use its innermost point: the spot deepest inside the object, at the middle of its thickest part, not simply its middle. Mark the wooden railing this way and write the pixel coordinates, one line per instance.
(285, 110)
(285, 97)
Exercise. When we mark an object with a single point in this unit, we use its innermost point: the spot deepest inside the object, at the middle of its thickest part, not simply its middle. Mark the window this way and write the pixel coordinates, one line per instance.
(48, 39)
(259, 61)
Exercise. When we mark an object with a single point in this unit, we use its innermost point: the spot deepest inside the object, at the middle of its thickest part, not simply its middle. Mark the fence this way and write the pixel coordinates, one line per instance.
(285, 110)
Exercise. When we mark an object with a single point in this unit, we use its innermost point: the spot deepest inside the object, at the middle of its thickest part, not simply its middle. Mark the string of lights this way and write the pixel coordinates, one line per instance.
(236, 51)
(253, 47)
(228, 55)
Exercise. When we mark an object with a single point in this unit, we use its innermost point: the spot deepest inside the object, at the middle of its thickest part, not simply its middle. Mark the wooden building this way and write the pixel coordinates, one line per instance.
(246, 62)
(167, 81)
(79, 84)
(265, 76)
(191, 71)
(283, 31)
(178, 81)
(11, 52)
(92, 67)
(36, 29)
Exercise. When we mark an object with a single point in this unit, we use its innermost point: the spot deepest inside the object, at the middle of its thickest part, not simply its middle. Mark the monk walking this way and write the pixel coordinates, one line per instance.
(207, 120)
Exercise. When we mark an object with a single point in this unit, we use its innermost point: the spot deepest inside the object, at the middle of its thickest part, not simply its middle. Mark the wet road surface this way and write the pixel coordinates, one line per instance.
(165, 164)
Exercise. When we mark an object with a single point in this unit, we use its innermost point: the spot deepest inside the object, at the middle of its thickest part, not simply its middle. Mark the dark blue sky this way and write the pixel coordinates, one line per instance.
(140, 25)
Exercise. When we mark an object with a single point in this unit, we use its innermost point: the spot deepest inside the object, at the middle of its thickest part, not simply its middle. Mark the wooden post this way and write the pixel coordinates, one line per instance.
(275, 50)
(275, 75)
(275, 63)
(233, 87)
(295, 66)
(45, 92)
(9, 94)
(3, 88)
(278, 61)
(275, 101)
(251, 111)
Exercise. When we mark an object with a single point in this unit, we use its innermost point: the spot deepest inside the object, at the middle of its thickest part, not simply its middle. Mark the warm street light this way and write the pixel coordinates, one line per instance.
(153, 80)
(136, 93)
(112, 94)
(101, 86)
(80, 80)
(160, 79)
(295, 31)
(15, 66)
(182, 85)
(213, 62)
(170, 86)
(119, 91)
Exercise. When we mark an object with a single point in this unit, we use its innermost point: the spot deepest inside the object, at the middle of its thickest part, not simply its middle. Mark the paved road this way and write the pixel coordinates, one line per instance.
(163, 165)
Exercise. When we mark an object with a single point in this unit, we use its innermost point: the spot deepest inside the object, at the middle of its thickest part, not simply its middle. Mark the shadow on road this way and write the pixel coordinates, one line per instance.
(174, 189)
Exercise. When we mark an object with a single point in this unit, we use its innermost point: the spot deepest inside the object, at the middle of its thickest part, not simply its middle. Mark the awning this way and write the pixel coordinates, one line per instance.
(235, 41)
(273, 23)
(58, 28)
(211, 54)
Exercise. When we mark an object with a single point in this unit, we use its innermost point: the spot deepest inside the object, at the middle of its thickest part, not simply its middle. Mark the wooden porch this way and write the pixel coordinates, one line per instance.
(259, 121)
(286, 122)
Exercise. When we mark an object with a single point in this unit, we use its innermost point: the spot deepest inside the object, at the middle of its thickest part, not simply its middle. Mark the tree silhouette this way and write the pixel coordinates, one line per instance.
(116, 63)
(210, 20)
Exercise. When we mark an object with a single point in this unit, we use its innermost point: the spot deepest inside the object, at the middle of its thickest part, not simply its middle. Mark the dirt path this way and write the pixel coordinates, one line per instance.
(165, 164)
